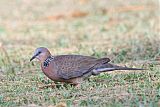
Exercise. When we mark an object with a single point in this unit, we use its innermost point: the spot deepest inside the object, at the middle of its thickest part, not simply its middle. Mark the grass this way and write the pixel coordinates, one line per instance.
(127, 32)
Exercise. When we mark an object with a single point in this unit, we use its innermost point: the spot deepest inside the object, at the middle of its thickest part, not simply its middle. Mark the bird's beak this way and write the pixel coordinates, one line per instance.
(34, 56)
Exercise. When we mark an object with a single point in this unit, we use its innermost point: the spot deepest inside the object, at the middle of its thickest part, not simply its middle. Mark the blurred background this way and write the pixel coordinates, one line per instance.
(127, 31)
(81, 26)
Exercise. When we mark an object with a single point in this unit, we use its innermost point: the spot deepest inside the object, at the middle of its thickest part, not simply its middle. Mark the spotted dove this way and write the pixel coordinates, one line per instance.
(73, 68)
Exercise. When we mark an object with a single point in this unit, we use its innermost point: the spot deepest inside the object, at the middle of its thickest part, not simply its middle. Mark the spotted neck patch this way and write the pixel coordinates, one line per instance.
(47, 61)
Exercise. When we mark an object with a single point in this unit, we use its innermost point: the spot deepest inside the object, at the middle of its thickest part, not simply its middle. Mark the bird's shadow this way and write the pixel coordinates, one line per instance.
(58, 85)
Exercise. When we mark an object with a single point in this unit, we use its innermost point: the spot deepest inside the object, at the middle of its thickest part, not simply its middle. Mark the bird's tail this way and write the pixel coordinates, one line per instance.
(111, 67)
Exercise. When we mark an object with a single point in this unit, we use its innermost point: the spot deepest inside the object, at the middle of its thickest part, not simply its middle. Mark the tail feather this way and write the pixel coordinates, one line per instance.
(111, 67)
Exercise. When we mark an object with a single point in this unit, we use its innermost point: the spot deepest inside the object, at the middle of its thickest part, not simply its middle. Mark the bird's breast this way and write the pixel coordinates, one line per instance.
(50, 72)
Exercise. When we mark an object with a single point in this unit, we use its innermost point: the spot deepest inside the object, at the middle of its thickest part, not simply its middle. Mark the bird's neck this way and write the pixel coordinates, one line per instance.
(47, 61)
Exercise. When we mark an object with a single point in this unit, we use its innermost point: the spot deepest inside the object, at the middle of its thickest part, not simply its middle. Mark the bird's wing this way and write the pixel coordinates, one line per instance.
(72, 66)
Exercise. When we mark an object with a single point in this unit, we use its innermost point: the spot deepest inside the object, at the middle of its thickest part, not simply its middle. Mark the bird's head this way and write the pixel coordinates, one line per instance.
(41, 54)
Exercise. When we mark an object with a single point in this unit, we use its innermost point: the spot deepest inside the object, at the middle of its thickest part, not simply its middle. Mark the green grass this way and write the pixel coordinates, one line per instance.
(127, 32)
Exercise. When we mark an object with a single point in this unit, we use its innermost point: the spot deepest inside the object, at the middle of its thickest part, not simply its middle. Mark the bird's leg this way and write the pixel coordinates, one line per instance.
(78, 86)
(52, 85)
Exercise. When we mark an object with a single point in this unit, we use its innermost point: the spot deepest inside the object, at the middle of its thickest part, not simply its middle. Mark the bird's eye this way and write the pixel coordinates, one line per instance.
(39, 52)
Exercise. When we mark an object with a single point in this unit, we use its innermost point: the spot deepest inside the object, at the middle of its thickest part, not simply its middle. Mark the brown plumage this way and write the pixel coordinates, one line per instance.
(73, 68)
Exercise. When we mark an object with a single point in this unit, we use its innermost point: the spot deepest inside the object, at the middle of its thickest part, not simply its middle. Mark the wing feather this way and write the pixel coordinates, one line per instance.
(72, 66)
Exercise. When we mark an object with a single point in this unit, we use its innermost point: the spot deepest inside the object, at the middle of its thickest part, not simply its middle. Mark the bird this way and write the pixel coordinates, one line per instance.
(73, 69)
